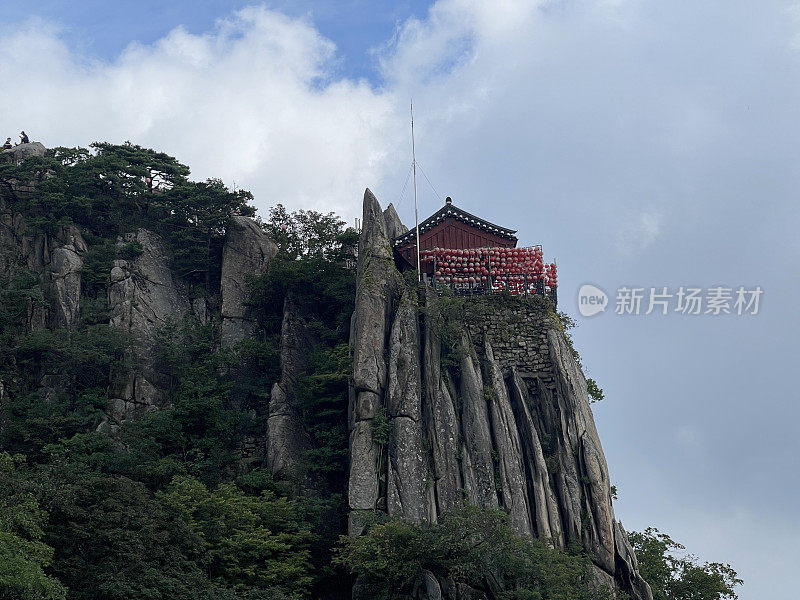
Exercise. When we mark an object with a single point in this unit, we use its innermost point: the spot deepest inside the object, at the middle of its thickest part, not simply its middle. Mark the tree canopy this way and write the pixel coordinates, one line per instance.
(470, 545)
(673, 576)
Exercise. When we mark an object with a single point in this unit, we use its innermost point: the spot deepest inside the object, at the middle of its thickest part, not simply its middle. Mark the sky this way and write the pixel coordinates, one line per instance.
(644, 144)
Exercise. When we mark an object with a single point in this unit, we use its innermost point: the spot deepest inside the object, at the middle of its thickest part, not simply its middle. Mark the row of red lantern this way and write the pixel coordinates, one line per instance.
(496, 255)
(482, 279)
(458, 265)
(495, 273)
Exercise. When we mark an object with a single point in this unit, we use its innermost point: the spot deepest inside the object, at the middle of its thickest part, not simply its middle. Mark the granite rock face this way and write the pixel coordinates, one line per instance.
(246, 252)
(58, 259)
(144, 297)
(407, 478)
(286, 437)
(504, 421)
(394, 226)
(66, 262)
(378, 290)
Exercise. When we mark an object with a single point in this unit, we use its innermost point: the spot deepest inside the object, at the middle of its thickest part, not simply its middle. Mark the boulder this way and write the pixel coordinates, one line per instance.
(22, 151)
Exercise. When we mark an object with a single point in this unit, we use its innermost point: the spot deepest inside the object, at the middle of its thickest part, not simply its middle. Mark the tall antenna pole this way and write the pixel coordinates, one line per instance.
(416, 210)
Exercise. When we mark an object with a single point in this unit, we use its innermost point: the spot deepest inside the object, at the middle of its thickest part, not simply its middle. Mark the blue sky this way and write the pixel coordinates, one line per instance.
(643, 143)
(102, 29)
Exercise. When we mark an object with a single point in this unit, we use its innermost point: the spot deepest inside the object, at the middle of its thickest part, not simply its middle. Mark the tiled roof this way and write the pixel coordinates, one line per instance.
(448, 210)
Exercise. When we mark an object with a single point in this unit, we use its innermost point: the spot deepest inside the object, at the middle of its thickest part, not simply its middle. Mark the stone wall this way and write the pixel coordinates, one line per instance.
(516, 328)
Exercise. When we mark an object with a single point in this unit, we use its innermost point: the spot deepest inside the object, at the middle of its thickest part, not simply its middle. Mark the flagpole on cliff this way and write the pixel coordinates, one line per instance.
(416, 210)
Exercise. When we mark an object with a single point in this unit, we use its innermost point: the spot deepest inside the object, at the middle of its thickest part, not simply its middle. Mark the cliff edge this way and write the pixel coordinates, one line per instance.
(486, 404)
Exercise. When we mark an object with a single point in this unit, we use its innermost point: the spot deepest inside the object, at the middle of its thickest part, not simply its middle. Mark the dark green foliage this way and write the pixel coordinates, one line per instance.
(130, 250)
(23, 554)
(317, 286)
(118, 189)
(381, 427)
(310, 234)
(321, 395)
(114, 541)
(59, 385)
(17, 294)
(107, 192)
(78, 360)
(97, 261)
(595, 392)
(472, 546)
(38, 418)
(679, 577)
(446, 316)
(251, 541)
(200, 429)
(311, 276)
(195, 225)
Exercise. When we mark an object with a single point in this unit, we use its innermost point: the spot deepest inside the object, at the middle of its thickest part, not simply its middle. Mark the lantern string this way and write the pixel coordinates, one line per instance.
(405, 185)
(424, 174)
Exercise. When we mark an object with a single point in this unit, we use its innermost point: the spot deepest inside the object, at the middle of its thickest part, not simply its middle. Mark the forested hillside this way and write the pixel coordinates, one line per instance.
(180, 411)
(176, 503)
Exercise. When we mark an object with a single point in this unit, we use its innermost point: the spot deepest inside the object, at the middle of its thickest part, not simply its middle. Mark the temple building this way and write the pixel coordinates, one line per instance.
(473, 256)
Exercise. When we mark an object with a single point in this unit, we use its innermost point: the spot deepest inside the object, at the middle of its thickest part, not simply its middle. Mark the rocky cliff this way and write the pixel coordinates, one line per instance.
(486, 403)
(144, 295)
(451, 400)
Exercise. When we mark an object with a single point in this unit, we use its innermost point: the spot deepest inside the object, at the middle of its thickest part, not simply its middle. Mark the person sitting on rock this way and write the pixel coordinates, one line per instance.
(7, 145)
(23, 137)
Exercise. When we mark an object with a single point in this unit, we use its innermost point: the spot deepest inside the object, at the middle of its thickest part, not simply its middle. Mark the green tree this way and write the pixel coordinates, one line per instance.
(60, 388)
(111, 536)
(252, 541)
(113, 541)
(472, 546)
(199, 214)
(310, 234)
(23, 556)
(131, 173)
(674, 577)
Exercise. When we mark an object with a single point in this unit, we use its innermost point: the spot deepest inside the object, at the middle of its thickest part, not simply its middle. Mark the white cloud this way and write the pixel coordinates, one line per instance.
(639, 231)
(251, 102)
